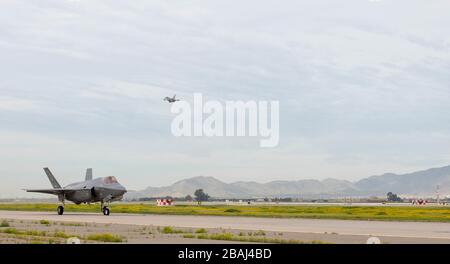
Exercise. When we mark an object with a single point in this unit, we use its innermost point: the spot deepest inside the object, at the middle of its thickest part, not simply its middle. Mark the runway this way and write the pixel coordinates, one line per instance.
(340, 227)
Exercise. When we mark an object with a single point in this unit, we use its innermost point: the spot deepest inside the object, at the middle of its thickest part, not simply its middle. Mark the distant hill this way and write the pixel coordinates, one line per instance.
(417, 183)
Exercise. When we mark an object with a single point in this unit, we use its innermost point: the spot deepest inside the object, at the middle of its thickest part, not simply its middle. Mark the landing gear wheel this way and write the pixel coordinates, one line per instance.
(60, 210)
(105, 210)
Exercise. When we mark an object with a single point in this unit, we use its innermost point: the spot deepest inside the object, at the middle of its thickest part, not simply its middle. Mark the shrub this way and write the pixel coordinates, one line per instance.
(44, 222)
(4, 223)
(170, 230)
(223, 236)
(202, 236)
(10, 231)
(232, 210)
(201, 231)
(60, 234)
(105, 238)
(34, 233)
(167, 230)
(231, 237)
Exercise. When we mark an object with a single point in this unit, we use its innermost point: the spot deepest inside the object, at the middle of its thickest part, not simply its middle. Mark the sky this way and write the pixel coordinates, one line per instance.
(363, 86)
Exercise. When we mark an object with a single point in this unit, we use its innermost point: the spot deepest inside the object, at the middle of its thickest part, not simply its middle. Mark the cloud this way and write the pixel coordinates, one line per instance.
(363, 87)
(17, 104)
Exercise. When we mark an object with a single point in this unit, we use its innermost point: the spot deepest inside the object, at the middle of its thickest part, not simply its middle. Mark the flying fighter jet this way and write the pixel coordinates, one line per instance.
(104, 190)
(171, 100)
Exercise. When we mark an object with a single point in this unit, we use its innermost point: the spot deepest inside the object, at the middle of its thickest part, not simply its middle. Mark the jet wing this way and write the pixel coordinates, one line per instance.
(55, 191)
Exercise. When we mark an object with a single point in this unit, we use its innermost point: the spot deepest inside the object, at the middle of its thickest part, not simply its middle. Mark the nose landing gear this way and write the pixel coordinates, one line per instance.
(104, 207)
(105, 210)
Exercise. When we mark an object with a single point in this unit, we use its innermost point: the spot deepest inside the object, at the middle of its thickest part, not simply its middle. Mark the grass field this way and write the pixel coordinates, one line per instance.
(387, 213)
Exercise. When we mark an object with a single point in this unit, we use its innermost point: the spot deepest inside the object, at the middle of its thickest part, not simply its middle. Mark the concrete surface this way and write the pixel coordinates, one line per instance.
(312, 226)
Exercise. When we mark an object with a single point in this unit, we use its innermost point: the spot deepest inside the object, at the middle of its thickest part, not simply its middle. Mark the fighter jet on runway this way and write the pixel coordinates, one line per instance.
(171, 100)
(103, 190)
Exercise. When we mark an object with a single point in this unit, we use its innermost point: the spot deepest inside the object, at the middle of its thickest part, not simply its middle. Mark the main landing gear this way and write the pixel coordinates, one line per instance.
(60, 210)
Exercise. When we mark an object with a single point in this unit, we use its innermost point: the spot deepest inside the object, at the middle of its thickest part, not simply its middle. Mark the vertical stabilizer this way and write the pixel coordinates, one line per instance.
(52, 179)
(89, 174)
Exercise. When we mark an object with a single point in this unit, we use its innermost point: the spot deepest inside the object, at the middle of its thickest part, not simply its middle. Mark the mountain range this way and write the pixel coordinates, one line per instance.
(419, 183)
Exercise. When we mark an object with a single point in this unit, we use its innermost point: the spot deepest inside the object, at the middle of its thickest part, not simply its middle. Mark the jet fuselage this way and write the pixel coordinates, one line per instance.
(96, 190)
